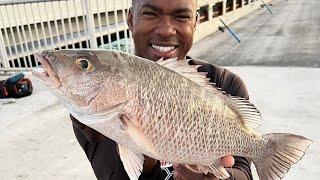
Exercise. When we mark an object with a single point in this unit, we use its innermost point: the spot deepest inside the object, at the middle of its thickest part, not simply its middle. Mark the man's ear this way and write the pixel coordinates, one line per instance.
(130, 19)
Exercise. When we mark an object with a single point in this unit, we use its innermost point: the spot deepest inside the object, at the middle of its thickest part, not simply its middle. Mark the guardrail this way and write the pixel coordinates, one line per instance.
(30, 26)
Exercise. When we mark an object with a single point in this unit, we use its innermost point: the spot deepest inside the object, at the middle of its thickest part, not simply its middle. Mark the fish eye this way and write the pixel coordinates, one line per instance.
(84, 64)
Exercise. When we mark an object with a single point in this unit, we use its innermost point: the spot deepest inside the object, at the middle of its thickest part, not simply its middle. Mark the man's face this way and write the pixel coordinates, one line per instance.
(162, 28)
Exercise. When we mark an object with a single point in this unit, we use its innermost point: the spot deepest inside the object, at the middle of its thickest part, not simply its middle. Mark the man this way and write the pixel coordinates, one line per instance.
(161, 29)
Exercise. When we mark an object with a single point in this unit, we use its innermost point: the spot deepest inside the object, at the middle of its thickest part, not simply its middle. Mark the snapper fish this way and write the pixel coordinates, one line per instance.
(165, 110)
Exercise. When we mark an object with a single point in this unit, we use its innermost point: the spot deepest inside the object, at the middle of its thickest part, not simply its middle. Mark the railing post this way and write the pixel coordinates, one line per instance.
(90, 24)
(224, 7)
(4, 55)
(210, 11)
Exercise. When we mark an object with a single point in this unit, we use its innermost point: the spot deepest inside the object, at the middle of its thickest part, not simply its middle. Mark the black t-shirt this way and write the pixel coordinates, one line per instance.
(106, 162)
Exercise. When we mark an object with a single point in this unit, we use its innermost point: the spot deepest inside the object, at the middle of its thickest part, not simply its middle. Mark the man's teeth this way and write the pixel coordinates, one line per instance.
(163, 48)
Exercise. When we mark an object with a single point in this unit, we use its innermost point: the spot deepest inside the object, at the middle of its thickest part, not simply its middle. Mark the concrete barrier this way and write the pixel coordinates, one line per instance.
(212, 24)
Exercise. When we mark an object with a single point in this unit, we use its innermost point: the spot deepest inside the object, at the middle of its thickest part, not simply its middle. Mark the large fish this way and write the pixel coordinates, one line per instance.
(165, 110)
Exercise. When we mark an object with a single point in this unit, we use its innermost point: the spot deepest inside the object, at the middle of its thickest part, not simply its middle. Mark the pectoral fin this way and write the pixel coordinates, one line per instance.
(132, 162)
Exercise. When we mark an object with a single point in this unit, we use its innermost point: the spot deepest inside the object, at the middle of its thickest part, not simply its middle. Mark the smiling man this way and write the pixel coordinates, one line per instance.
(162, 29)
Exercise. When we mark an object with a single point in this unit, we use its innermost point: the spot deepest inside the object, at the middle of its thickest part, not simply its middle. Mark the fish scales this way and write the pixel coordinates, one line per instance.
(165, 110)
(162, 94)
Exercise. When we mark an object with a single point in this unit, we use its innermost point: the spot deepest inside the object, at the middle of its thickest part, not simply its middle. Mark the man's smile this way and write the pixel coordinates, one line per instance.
(163, 49)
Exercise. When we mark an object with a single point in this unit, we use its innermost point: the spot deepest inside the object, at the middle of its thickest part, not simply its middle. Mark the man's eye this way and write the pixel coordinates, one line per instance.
(182, 17)
(148, 13)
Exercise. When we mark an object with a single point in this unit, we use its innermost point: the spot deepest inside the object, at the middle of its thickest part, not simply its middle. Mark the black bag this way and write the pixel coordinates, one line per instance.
(17, 86)
(3, 90)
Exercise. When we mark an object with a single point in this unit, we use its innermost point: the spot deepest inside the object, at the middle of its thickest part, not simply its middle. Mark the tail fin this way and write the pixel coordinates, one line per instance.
(282, 151)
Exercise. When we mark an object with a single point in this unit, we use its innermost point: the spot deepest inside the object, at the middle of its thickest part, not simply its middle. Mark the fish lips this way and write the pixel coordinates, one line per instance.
(46, 73)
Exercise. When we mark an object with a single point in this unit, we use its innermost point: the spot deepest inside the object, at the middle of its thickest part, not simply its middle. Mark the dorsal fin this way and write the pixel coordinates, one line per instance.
(184, 69)
(247, 111)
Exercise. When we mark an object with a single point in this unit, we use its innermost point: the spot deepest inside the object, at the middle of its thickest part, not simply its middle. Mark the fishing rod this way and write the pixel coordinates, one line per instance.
(230, 31)
(267, 6)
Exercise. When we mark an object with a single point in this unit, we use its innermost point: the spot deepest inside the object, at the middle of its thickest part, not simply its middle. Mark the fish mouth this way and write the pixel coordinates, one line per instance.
(46, 73)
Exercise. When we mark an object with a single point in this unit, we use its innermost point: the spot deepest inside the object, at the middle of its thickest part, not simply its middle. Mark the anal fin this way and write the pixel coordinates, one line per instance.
(132, 162)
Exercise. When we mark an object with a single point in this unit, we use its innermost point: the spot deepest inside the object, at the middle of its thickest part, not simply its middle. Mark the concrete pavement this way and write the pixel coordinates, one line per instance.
(37, 140)
(288, 37)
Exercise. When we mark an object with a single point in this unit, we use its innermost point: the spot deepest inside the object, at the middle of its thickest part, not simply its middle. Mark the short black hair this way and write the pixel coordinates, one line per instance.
(135, 1)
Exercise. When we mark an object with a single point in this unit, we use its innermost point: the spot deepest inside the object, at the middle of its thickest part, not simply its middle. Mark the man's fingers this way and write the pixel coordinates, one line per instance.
(227, 161)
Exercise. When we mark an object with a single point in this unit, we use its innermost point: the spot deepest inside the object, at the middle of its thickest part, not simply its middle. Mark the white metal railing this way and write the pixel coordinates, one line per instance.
(30, 26)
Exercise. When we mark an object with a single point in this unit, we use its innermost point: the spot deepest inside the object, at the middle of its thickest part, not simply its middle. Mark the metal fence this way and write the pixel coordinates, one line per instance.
(30, 26)
(27, 27)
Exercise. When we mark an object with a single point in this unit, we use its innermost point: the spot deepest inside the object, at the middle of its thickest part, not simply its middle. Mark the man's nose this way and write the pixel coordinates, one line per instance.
(166, 27)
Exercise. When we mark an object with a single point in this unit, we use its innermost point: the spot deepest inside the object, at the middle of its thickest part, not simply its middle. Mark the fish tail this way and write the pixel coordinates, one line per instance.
(281, 152)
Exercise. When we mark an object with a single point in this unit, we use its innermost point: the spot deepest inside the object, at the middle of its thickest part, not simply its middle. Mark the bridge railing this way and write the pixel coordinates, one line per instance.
(29, 26)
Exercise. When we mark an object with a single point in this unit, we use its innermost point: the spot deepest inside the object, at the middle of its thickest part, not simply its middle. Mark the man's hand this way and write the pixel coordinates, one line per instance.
(227, 161)
(183, 172)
